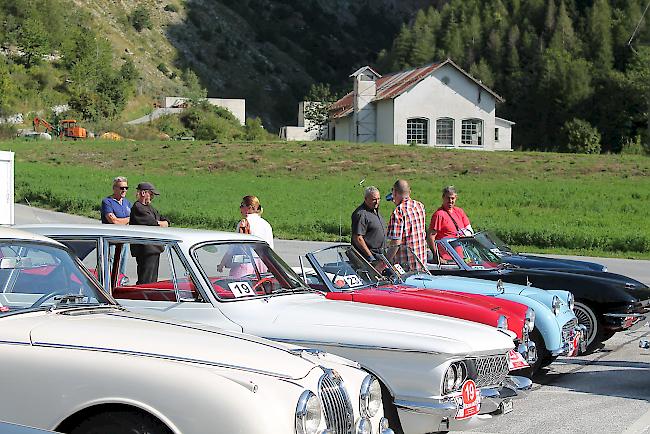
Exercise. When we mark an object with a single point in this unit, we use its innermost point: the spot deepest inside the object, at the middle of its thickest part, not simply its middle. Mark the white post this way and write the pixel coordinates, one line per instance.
(6, 188)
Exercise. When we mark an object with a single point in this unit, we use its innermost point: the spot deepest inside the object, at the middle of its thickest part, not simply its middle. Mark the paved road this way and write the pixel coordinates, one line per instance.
(605, 392)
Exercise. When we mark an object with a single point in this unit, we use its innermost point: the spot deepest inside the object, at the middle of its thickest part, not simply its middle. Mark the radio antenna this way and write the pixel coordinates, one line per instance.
(636, 29)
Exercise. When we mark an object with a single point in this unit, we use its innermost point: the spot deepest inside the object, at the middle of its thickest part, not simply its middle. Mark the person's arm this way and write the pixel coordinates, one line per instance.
(142, 216)
(116, 220)
(360, 244)
(395, 229)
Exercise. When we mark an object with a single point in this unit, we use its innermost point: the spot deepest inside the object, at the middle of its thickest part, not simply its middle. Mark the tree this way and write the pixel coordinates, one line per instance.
(581, 137)
(195, 92)
(638, 79)
(564, 36)
(7, 86)
(600, 34)
(33, 41)
(140, 18)
(318, 101)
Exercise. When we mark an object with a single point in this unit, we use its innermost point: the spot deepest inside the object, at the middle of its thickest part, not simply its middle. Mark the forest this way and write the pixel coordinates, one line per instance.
(561, 65)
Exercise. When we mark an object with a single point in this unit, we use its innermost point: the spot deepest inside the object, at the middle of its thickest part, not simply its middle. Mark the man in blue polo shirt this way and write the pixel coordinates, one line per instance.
(116, 209)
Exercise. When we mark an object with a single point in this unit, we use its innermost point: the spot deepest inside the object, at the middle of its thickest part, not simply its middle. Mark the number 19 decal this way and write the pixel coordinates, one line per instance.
(241, 289)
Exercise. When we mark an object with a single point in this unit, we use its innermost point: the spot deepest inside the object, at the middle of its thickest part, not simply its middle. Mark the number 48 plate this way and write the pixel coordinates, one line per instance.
(506, 406)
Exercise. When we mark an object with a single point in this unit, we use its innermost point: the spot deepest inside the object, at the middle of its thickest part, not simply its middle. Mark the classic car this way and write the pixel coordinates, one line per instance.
(498, 247)
(12, 428)
(341, 273)
(557, 331)
(605, 303)
(76, 362)
(427, 364)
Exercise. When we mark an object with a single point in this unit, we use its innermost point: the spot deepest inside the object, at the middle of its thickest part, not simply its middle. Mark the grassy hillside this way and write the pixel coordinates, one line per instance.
(576, 203)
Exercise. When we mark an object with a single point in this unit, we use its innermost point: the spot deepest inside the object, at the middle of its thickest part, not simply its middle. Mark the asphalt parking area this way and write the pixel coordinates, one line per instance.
(605, 392)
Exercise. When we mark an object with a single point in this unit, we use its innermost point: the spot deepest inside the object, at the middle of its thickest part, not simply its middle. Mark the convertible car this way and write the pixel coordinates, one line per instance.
(604, 302)
(424, 362)
(501, 249)
(76, 362)
(342, 274)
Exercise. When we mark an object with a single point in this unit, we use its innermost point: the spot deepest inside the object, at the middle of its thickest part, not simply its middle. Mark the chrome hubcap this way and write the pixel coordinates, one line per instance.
(587, 318)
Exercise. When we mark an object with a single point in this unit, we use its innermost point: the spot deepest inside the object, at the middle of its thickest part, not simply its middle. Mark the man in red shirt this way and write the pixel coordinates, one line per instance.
(448, 221)
(407, 225)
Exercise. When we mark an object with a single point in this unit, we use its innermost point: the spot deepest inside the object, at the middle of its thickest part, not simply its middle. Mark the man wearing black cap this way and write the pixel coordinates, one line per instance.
(147, 256)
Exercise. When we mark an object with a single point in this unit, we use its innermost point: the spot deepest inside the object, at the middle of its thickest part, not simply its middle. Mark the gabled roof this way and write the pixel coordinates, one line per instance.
(393, 85)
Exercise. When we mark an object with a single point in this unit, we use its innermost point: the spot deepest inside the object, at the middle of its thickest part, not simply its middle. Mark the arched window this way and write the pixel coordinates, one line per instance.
(471, 133)
(417, 131)
(445, 132)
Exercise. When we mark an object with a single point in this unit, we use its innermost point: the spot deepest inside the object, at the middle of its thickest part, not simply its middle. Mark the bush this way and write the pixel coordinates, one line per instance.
(162, 68)
(7, 131)
(140, 18)
(254, 131)
(633, 146)
(171, 7)
(581, 137)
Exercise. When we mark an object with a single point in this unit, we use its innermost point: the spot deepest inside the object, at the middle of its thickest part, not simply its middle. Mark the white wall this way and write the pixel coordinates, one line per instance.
(505, 135)
(299, 133)
(458, 99)
(385, 121)
(343, 129)
(6, 188)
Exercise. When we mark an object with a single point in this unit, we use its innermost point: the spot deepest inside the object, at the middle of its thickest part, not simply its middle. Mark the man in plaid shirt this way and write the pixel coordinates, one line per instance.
(407, 225)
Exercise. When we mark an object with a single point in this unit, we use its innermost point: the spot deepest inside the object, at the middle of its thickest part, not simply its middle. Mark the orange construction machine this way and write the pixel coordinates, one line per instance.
(65, 128)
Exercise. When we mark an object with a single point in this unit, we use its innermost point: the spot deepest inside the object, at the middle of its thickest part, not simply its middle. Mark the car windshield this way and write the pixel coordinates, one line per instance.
(494, 243)
(242, 270)
(404, 261)
(471, 252)
(35, 275)
(344, 268)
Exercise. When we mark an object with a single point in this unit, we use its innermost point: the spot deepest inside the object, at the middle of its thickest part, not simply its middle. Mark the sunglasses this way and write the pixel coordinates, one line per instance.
(123, 188)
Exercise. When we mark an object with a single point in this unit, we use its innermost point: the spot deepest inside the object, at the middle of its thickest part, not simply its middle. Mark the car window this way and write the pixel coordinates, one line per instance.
(34, 274)
(86, 251)
(150, 271)
(238, 270)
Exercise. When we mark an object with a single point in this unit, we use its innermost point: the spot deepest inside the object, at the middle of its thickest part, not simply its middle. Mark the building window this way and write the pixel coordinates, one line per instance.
(496, 134)
(417, 131)
(472, 132)
(445, 132)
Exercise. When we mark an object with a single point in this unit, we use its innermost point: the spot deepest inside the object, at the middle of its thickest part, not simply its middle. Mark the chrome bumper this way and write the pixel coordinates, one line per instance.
(575, 342)
(527, 349)
(645, 344)
(441, 412)
(622, 321)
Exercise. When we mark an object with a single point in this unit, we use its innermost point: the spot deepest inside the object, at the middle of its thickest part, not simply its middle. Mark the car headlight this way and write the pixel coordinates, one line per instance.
(557, 303)
(308, 413)
(364, 426)
(570, 300)
(502, 322)
(454, 377)
(370, 396)
(530, 319)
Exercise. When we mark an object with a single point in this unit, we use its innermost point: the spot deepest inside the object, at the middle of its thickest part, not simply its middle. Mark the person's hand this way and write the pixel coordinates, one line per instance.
(163, 223)
(220, 268)
(371, 258)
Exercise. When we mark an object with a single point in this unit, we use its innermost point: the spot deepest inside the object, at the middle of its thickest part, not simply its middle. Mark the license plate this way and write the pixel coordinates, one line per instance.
(505, 406)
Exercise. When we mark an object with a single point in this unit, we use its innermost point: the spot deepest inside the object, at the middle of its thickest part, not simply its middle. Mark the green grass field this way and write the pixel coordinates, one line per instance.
(553, 202)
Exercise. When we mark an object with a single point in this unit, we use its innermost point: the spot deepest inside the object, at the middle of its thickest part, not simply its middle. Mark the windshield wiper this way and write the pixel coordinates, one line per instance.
(507, 265)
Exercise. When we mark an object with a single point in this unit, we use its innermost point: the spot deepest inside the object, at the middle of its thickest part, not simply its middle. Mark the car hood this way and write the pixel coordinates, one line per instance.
(533, 261)
(312, 319)
(139, 335)
(455, 283)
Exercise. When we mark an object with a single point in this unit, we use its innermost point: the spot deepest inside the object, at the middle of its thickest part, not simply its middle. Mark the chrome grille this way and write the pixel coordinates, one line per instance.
(567, 330)
(491, 370)
(336, 404)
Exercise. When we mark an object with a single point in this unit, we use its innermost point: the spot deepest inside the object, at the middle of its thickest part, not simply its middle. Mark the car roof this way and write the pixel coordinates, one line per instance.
(191, 236)
(12, 233)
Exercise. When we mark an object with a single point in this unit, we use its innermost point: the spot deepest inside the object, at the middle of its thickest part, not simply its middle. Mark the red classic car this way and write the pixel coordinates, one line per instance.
(342, 274)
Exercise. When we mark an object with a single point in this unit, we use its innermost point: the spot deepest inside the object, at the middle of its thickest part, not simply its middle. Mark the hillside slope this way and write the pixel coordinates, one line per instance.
(268, 52)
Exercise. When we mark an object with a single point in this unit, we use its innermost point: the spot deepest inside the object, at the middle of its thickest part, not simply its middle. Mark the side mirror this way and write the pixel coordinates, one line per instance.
(123, 280)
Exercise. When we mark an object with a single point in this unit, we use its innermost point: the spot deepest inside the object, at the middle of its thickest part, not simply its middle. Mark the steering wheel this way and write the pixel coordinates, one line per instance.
(43, 298)
(262, 282)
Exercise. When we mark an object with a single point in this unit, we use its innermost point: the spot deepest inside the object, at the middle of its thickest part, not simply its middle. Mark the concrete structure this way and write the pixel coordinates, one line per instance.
(6, 188)
(235, 106)
(436, 105)
(304, 130)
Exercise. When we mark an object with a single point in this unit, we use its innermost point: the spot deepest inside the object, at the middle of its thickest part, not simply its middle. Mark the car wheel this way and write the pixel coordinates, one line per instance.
(588, 317)
(121, 422)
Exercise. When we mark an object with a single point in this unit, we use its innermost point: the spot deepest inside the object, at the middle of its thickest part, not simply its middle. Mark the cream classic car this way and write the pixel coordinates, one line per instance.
(424, 362)
(76, 362)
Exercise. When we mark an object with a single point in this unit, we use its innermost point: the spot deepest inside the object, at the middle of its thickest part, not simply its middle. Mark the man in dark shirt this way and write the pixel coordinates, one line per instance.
(368, 226)
(147, 256)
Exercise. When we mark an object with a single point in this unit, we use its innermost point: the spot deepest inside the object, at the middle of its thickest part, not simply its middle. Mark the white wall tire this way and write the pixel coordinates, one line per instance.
(588, 317)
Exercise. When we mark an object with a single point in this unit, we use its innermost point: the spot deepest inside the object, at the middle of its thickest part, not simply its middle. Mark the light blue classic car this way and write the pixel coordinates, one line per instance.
(556, 331)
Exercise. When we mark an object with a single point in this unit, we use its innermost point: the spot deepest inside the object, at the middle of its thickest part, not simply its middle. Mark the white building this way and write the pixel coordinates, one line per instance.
(435, 105)
(304, 130)
(235, 106)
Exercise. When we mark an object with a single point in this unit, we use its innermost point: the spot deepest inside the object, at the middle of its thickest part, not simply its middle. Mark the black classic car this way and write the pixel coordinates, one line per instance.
(605, 303)
(501, 249)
